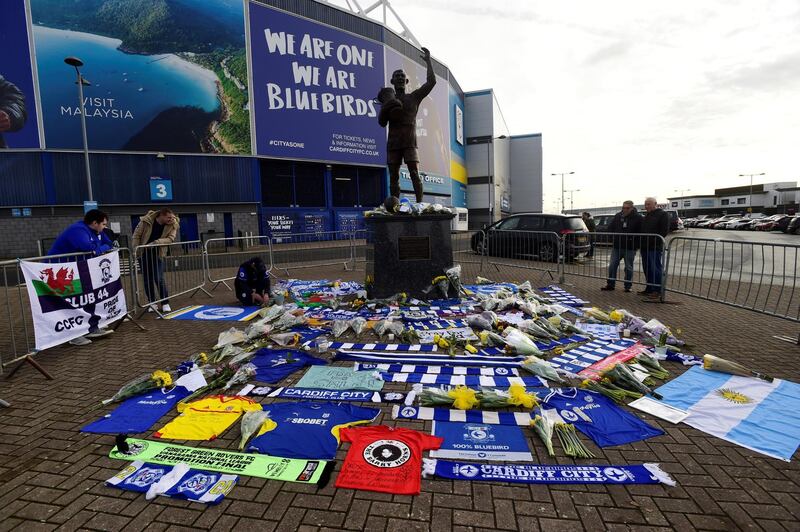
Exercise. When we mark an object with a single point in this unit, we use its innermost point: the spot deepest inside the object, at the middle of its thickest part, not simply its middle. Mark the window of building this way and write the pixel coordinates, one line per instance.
(674, 203)
(370, 186)
(687, 203)
(309, 185)
(725, 202)
(276, 184)
(741, 201)
(357, 186)
(774, 200)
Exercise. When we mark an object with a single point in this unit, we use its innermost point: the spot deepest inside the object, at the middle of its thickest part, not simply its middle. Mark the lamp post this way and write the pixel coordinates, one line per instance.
(490, 174)
(571, 204)
(562, 174)
(750, 206)
(77, 63)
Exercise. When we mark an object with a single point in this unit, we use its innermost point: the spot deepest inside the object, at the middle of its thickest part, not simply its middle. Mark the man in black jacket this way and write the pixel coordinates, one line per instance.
(627, 221)
(655, 222)
(12, 109)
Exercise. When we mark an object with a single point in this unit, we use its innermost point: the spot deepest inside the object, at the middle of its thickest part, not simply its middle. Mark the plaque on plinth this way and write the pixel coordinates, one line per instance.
(405, 253)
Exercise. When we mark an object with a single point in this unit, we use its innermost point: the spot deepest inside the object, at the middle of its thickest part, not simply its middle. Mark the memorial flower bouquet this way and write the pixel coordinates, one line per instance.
(543, 427)
(252, 420)
(516, 395)
(459, 397)
(610, 390)
(143, 383)
(542, 368)
(242, 375)
(572, 444)
(519, 343)
(712, 363)
(622, 376)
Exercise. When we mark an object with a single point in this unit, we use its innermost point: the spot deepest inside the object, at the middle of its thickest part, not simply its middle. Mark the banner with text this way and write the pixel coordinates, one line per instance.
(313, 90)
(68, 299)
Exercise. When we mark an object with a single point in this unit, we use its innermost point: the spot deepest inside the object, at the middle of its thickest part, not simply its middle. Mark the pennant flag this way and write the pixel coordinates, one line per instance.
(254, 465)
(477, 441)
(523, 419)
(758, 415)
(465, 380)
(429, 325)
(547, 474)
(213, 313)
(431, 359)
(436, 370)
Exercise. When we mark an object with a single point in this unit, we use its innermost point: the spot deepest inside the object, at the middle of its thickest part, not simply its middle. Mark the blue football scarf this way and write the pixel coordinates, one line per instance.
(362, 396)
(138, 413)
(466, 380)
(272, 365)
(198, 486)
(399, 348)
(522, 419)
(431, 359)
(559, 295)
(437, 370)
(428, 325)
(547, 474)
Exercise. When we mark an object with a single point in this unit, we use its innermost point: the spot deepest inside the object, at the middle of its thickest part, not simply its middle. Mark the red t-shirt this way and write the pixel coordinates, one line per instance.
(384, 459)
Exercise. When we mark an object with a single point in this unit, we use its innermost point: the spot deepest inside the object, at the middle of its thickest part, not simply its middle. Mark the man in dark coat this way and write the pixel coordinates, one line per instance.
(655, 222)
(627, 221)
(12, 109)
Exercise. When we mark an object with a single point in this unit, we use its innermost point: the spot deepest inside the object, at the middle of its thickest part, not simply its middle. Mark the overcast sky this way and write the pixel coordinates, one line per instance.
(637, 98)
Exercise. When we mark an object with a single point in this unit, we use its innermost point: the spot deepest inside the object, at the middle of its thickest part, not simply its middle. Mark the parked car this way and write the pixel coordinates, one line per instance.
(794, 226)
(675, 222)
(782, 223)
(602, 222)
(766, 224)
(712, 224)
(739, 224)
(529, 235)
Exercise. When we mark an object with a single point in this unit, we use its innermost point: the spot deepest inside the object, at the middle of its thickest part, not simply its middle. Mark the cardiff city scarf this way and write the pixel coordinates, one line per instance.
(465, 380)
(254, 465)
(402, 348)
(431, 359)
(684, 358)
(437, 370)
(559, 295)
(547, 474)
(363, 396)
(430, 325)
(174, 481)
(579, 358)
(522, 419)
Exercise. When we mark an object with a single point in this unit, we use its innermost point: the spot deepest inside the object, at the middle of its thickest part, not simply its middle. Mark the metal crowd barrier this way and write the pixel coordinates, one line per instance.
(223, 256)
(18, 342)
(762, 277)
(590, 255)
(165, 271)
(312, 250)
(510, 252)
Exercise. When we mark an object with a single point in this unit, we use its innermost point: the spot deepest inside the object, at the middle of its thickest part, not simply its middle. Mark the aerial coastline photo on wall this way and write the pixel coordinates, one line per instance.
(166, 75)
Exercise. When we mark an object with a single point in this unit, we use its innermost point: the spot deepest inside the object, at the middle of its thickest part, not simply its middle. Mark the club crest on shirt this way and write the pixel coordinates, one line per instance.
(145, 476)
(387, 453)
(197, 483)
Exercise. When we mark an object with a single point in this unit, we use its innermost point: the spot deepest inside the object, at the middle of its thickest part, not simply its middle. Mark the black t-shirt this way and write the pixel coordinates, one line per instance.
(156, 233)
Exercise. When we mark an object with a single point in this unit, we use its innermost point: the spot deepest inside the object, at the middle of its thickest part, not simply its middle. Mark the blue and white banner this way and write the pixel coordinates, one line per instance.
(462, 333)
(431, 359)
(463, 380)
(758, 415)
(581, 357)
(480, 441)
(174, 481)
(489, 289)
(559, 295)
(402, 348)
(337, 395)
(437, 370)
(522, 419)
(547, 474)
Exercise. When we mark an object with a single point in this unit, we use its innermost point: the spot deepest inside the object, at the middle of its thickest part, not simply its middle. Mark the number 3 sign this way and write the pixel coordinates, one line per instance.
(160, 189)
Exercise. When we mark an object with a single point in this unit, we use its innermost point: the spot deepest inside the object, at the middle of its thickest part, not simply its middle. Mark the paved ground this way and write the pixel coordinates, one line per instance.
(52, 475)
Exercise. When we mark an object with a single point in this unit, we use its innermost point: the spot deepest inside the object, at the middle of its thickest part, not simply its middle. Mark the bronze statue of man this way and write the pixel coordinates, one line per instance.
(400, 113)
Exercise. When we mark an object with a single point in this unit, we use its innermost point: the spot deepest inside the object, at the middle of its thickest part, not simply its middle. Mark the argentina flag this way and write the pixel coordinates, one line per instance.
(761, 416)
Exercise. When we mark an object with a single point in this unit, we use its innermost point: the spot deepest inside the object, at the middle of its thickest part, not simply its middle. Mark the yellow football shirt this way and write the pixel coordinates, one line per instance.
(207, 418)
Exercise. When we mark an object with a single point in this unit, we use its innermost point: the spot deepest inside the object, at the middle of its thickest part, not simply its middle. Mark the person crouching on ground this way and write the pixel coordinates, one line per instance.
(252, 283)
(156, 228)
(627, 221)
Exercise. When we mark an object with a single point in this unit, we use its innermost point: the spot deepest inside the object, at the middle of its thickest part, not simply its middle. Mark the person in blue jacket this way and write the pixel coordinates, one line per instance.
(252, 283)
(84, 236)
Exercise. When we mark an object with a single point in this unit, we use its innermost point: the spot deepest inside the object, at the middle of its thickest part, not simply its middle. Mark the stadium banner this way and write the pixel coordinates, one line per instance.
(313, 90)
(17, 95)
(172, 79)
(68, 299)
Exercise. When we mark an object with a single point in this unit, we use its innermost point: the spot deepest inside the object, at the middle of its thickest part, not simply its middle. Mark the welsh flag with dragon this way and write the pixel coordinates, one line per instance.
(69, 299)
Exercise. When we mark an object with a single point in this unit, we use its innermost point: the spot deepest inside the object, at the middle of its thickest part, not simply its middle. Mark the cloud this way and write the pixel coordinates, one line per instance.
(775, 75)
(608, 53)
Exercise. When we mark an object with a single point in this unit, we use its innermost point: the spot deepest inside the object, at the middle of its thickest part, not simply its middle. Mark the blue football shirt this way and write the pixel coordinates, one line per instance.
(308, 430)
(273, 365)
(139, 413)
